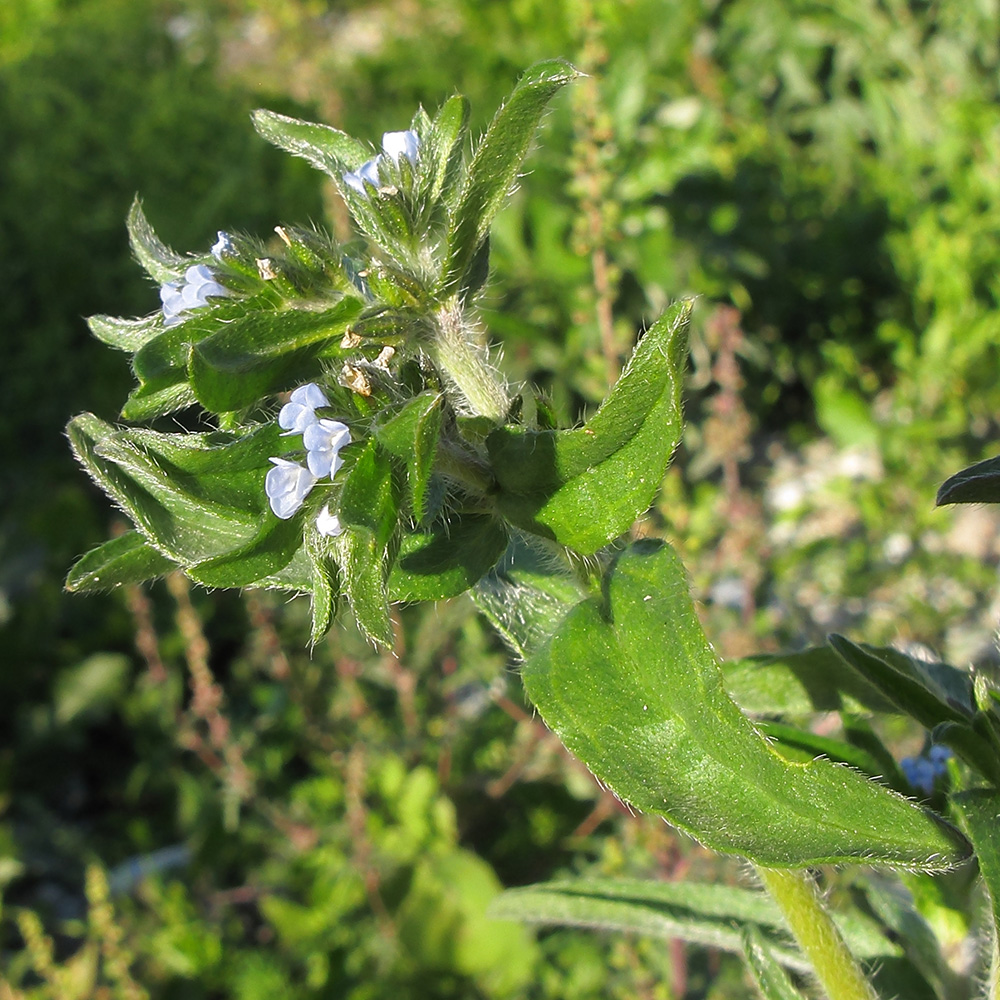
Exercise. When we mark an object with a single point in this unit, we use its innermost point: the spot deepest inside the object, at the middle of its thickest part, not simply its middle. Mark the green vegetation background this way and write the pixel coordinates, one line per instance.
(192, 804)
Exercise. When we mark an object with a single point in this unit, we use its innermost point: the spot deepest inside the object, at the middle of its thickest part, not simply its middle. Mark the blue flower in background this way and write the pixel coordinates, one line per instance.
(921, 772)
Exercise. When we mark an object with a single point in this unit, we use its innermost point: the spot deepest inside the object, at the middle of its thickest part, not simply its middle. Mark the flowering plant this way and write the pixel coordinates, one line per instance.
(364, 449)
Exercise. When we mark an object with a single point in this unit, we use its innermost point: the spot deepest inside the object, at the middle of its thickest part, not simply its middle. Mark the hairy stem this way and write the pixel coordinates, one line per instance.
(465, 363)
(836, 968)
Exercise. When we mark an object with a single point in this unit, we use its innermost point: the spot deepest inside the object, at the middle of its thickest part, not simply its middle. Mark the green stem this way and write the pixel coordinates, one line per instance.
(465, 363)
(836, 968)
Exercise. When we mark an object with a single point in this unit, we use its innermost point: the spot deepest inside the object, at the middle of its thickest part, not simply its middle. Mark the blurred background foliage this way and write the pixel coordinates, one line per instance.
(194, 805)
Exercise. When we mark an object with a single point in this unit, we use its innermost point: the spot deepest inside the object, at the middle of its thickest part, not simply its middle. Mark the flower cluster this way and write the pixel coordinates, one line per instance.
(394, 145)
(288, 483)
(921, 772)
(197, 286)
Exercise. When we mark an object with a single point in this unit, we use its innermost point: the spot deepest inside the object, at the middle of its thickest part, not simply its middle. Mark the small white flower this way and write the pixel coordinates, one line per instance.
(300, 410)
(367, 172)
(328, 524)
(193, 292)
(287, 485)
(323, 440)
(397, 144)
(223, 245)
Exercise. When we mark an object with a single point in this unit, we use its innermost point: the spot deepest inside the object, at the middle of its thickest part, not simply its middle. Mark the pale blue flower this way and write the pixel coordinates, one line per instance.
(300, 410)
(397, 144)
(328, 524)
(223, 246)
(366, 173)
(286, 486)
(323, 440)
(192, 292)
(394, 145)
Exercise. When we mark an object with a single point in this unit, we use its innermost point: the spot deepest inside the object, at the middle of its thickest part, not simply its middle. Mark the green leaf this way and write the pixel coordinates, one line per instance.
(526, 596)
(443, 146)
(161, 263)
(166, 509)
(496, 162)
(805, 745)
(90, 688)
(159, 397)
(125, 334)
(215, 467)
(632, 687)
(266, 554)
(893, 905)
(326, 148)
(814, 680)
(368, 499)
(411, 436)
(771, 979)
(585, 487)
(448, 559)
(125, 559)
(708, 915)
(979, 483)
(362, 573)
(263, 352)
(324, 596)
(929, 692)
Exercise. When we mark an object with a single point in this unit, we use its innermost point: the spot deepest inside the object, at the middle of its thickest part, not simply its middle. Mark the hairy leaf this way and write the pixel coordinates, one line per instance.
(585, 487)
(979, 483)
(632, 687)
(263, 352)
(448, 559)
(497, 161)
(129, 558)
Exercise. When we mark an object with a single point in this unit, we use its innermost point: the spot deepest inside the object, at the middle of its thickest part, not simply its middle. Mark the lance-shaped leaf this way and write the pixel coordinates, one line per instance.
(369, 512)
(443, 146)
(325, 587)
(215, 467)
(813, 680)
(632, 687)
(161, 263)
(931, 693)
(250, 565)
(709, 915)
(125, 559)
(362, 572)
(125, 334)
(411, 436)
(585, 487)
(263, 352)
(497, 161)
(772, 982)
(326, 148)
(158, 397)
(979, 483)
(448, 559)
(172, 509)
